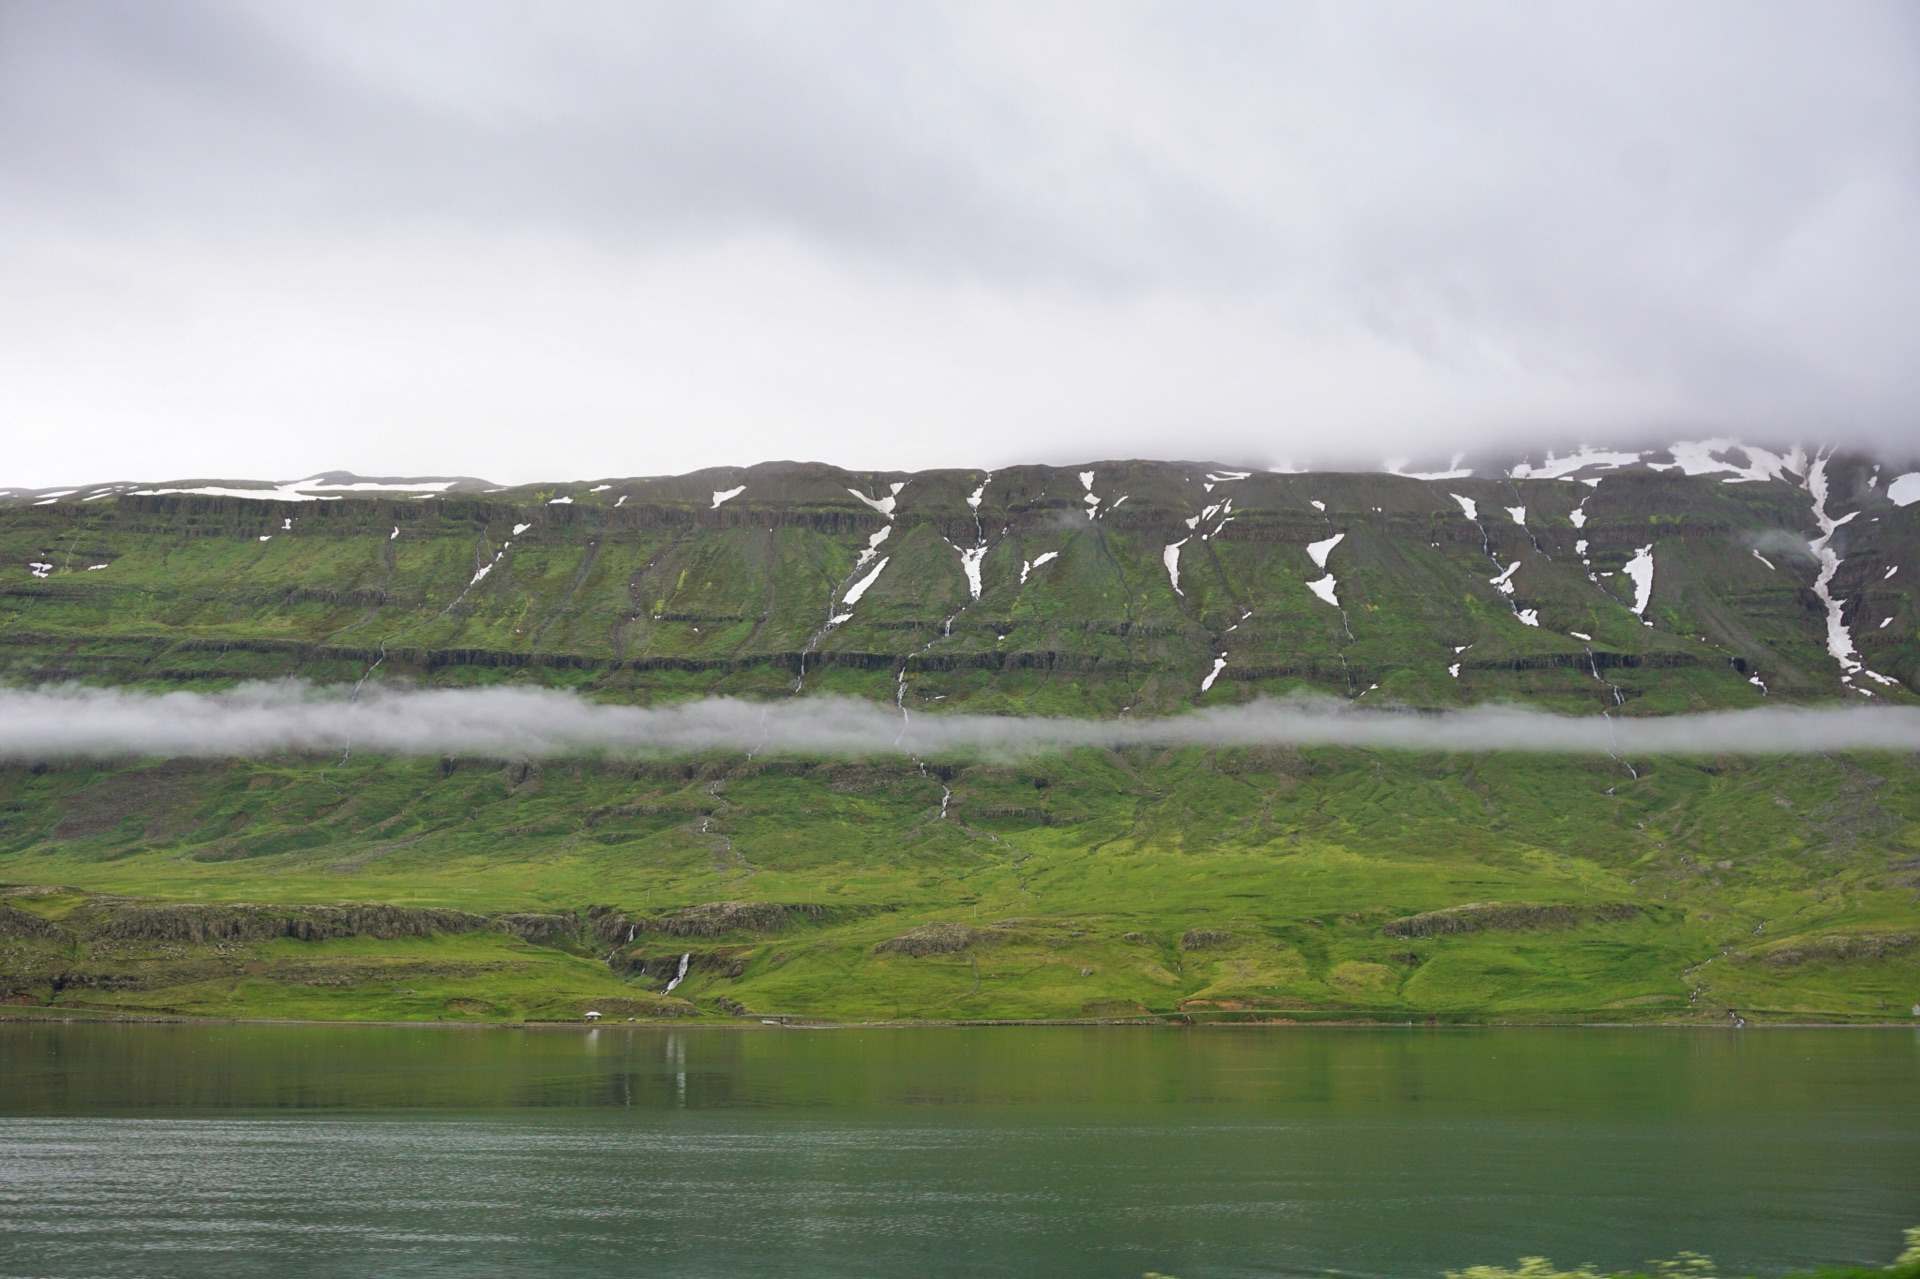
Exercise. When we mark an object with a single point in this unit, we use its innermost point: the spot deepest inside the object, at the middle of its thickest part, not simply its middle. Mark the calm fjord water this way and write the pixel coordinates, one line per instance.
(360, 1151)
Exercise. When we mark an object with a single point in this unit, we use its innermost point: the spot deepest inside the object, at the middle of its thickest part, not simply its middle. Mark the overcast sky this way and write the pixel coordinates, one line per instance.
(565, 240)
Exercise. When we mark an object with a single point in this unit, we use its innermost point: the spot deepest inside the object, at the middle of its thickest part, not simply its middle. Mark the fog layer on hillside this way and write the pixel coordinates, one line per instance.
(292, 718)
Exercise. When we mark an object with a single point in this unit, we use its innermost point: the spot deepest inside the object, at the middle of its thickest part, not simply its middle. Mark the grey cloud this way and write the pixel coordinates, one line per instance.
(1234, 228)
(646, 124)
(269, 719)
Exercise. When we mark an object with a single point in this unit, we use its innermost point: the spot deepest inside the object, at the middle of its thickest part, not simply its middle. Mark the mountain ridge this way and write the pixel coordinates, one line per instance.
(1154, 585)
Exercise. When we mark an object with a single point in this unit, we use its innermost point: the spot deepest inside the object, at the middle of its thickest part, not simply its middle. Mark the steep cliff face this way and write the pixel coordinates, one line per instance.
(1139, 585)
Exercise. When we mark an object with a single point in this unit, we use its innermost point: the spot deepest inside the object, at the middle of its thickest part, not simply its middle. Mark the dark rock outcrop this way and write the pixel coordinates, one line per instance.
(939, 938)
(1507, 917)
(23, 924)
(198, 923)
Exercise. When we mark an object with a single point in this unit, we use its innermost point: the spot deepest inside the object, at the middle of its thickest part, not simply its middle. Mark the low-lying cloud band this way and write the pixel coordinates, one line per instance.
(293, 718)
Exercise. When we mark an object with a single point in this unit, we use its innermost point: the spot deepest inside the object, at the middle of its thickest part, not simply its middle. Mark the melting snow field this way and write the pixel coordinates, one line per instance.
(1700, 457)
(970, 565)
(1839, 638)
(377, 486)
(311, 489)
(1905, 491)
(1690, 457)
(285, 493)
(873, 546)
(1171, 558)
(1219, 664)
(1555, 468)
(1467, 505)
(727, 495)
(1640, 569)
(859, 588)
(1092, 501)
(1398, 466)
(1320, 550)
(884, 505)
(1324, 588)
(1045, 557)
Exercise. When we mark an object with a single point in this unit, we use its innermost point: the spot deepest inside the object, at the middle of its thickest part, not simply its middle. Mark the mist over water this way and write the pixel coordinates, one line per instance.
(289, 717)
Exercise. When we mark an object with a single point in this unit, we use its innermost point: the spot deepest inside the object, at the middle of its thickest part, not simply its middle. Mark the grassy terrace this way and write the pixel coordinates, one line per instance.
(1140, 883)
(1299, 884)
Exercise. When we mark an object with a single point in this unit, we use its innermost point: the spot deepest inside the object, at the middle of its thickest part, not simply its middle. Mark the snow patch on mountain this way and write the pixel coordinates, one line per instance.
(884, 505)
(1171, 558)
(859, 588)
(1556, 468)
(1839, 638)
(873, 546)
(970, 558)
(1454, 471)
(1640, 569)
(1319, 551)
(1709, 457)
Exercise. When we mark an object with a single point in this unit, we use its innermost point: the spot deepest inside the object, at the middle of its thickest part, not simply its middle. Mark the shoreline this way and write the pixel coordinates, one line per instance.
(9, 1017)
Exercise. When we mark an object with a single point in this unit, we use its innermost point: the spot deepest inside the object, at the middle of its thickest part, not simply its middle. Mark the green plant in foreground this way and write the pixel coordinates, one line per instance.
(1688, 1265)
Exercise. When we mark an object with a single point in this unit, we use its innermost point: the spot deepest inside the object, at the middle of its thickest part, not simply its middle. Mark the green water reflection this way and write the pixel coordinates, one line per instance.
(163, 1150)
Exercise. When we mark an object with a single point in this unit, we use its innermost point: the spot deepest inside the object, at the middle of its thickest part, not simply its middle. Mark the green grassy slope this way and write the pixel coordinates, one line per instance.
(646, 591)
(1096, 883)
(1242, 883)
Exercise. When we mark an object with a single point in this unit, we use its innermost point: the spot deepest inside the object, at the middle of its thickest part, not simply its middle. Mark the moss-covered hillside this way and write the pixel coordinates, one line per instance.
(731, 581)
(1145, 882)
